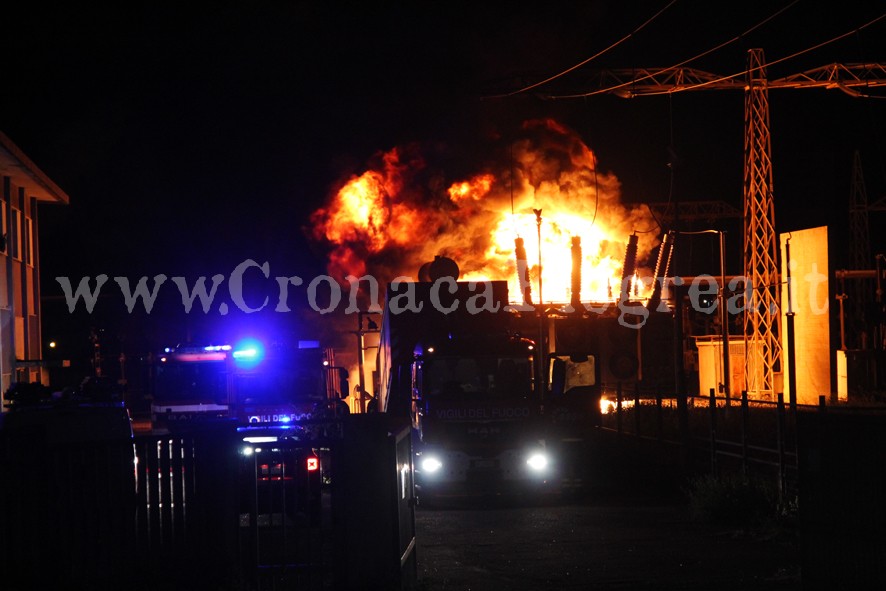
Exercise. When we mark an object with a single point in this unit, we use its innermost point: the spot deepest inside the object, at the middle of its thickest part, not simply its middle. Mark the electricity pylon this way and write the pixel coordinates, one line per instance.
(860, 243)
(762, 313)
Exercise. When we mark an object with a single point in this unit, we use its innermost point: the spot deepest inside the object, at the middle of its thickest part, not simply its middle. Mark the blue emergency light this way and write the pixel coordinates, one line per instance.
(248, 352)
(217, 348)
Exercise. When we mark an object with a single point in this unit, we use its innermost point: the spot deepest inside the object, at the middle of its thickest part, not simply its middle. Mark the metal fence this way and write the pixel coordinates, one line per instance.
(66, 497)
(716, 434)
(211, 508)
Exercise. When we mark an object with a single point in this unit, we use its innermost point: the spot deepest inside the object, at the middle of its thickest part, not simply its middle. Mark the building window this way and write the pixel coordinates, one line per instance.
(15, 234)
(29, 241)
(4, 229)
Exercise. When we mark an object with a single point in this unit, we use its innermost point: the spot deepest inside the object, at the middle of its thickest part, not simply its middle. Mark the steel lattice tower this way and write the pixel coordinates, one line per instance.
(762, 311)
(761, 255)
(860, 244)
(859, 229)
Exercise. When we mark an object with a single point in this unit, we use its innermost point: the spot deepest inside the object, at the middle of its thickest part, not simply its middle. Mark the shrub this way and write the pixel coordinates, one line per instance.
(732, 500)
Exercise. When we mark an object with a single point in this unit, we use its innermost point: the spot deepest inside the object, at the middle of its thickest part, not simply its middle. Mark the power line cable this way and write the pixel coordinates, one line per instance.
(588, 60)
(741, 74)
(787, 58)
(684, 62)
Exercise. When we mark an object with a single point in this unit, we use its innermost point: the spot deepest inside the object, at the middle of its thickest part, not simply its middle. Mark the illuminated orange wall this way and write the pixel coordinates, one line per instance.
(810, 280)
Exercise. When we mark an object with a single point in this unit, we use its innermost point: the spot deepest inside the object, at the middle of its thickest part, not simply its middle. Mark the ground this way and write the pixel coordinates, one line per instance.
(597, 543)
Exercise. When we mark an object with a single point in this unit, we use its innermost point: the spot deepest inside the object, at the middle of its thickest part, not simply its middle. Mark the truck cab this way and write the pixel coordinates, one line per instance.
(477, 418)
(249, 383)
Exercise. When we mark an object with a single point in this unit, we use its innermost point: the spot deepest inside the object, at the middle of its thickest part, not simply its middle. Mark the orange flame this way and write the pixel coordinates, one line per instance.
(387, 223)
(473, 189)
(368, 215)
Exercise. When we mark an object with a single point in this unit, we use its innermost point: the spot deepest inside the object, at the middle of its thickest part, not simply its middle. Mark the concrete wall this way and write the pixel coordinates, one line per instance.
(810, 303)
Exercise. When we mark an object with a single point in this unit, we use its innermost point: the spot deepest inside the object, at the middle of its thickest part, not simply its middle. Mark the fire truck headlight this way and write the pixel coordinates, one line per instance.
(537, 461)
(247, 451)
(431, 464)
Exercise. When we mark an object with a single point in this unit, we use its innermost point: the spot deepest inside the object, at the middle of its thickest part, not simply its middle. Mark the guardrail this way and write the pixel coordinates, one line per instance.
(826, 461)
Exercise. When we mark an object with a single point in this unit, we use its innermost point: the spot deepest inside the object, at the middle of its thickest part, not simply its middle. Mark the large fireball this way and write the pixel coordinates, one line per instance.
(389, 220)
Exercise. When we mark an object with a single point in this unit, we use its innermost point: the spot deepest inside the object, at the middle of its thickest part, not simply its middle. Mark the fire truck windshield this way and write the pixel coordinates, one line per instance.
(280, 384)
(480, 375)
(178, 381)
(218, 378)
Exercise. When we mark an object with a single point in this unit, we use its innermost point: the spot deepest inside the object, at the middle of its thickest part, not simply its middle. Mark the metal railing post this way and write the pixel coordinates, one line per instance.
(659, 414)
(618, 405)
(744, 434)
(713, 408)
(781, 454)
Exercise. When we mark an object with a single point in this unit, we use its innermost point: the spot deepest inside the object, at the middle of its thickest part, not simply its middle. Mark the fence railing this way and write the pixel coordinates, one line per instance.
(753, 437)
(211, 508)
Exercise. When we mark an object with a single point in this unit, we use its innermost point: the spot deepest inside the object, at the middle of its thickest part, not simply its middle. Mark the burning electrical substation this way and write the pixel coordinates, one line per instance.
(547, 223)
(316, 279)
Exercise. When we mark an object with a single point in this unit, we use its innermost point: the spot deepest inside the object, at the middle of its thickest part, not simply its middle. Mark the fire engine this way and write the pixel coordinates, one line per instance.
(248, 383)
(283, 403)
(468, 383)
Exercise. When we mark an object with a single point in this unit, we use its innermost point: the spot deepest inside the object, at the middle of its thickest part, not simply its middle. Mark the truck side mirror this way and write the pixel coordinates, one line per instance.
(558, 377)
(343, 381)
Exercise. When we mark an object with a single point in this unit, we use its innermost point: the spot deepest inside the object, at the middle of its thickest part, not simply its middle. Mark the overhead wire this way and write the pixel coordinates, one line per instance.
(877, 137)
(684, 62)
(588, 60)
(820, 45)
(746, 71)
(672, 164)
(740, 74)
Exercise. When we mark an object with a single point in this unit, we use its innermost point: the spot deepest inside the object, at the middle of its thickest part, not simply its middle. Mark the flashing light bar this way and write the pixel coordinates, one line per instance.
(250, 353)
(217, 348)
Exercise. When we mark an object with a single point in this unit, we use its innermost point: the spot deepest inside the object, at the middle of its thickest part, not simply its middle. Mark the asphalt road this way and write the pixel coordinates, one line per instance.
(596, 544)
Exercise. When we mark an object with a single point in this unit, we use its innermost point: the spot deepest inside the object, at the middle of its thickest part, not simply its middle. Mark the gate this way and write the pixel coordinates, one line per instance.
(66, 497)
(328, 505)
(286, 527)
(318, 505)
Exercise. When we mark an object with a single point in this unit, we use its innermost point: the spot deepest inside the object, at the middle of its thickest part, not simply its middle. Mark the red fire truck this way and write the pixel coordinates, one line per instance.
(468, 383)
(248, 383)
(283, 404)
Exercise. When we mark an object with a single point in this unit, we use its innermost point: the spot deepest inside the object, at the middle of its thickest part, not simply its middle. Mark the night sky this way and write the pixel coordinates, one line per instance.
(192, 138)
